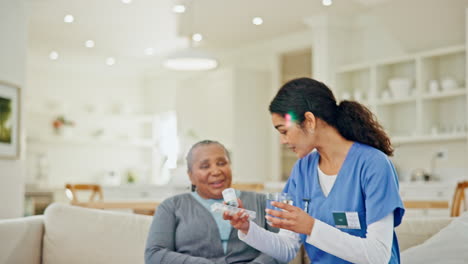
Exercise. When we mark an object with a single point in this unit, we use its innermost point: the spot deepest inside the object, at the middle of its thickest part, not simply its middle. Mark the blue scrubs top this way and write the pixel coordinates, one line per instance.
(367, 183)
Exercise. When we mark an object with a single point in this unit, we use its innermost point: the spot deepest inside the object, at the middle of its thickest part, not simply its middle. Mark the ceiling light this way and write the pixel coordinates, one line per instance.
(89, 44)
(190, 60)
(257, 21)
(126, 1)
(327, 2)
(110, 61)
(178, 9)
(53, 55)
(149, 51)
(68, 19)
(197, 37)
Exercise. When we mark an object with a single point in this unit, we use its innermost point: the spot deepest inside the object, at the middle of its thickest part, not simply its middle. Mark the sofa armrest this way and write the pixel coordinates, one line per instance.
(414, 231)
(21, 240)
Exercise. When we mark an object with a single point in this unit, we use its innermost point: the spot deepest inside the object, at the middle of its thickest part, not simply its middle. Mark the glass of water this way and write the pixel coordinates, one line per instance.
(277, 197)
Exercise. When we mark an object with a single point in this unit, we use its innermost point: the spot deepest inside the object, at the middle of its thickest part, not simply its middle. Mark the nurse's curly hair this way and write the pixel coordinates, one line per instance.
(353, 120)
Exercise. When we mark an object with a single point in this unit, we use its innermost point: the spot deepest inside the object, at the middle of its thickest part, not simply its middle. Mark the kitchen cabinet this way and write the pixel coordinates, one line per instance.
(427, 191)
(432, 108)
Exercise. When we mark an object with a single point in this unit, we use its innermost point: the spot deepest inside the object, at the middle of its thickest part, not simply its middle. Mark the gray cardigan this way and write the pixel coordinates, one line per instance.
(184, 232)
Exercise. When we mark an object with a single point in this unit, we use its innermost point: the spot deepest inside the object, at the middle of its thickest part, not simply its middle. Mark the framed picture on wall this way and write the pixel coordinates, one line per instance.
(9, 121)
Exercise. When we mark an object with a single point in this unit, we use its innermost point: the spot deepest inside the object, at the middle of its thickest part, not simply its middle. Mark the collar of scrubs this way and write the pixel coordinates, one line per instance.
(343, 169)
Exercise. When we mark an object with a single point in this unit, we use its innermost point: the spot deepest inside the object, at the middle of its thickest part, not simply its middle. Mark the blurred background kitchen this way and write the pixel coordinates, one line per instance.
(114, 92)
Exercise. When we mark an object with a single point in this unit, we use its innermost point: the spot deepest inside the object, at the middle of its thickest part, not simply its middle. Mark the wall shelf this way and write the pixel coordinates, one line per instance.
(383, 102)
(89, 142)
(445, 94)
(429, 138)
(95, 117)
(421, 112)
(103, 129)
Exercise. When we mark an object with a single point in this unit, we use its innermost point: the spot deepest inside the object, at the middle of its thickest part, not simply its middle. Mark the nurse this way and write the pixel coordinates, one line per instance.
(344, 187)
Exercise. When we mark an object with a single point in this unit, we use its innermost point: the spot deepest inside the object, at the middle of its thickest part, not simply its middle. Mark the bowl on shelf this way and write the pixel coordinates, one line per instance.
(399, 87)
(448, 84)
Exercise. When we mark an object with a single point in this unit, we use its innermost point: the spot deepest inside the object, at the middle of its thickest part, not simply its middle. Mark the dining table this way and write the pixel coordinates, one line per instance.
(426, 204)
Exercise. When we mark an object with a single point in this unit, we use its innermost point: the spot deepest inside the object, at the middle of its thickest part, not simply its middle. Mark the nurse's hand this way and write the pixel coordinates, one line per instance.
(240, 220)
(292, 218)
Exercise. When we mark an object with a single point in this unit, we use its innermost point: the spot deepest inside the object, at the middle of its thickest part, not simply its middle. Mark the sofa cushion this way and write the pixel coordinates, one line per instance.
(414, 231)
(21, 240)
(81, 235)
(448, 246)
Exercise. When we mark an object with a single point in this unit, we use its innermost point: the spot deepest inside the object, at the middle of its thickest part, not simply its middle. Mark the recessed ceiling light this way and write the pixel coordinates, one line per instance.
(68, 19)
(89, 43)
(110, 61)
(53, 55)
(257, 21)
(197, 37)
(149, 51)
(327, 2)
(126, 1)
(178, 9)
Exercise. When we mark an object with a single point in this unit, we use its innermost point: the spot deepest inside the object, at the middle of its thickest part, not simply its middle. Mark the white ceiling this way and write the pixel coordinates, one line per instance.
(228, 23)
(126, 30)
(118, 29)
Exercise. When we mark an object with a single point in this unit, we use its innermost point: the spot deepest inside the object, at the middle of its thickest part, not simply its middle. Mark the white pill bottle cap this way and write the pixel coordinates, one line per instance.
(230, 197)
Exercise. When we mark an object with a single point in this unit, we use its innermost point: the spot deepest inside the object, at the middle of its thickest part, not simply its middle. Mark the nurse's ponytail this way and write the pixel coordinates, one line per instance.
(357, 123)
(352, 120)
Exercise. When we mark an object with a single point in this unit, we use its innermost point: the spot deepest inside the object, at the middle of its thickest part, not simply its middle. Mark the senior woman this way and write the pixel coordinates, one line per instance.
(184, 230)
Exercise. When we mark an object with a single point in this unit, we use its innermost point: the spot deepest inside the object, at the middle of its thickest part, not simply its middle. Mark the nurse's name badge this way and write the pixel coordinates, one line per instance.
(348, 220)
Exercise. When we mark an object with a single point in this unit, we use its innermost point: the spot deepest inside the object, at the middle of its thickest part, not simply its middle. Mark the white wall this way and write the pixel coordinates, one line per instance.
(252, 126)
(265, 56)
(12, 69)
(205, 106)
(420, 24)
(229, 105)
(69, 88)
(160, 92)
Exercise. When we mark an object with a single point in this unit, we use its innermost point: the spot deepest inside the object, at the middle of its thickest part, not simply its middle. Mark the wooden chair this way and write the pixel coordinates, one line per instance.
(458, 199)
(145, 208)
(71, 190)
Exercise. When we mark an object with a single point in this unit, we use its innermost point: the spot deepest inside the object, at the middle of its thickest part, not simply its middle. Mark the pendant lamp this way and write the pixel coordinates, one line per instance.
(190, 59)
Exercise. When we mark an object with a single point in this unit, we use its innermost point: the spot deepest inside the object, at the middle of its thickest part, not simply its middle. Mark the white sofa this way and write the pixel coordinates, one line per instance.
(449, 245)
(67, 234)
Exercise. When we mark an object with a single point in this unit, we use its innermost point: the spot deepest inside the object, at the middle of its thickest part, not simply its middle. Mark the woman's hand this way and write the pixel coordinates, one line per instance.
(293, 218)
(240, 220)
